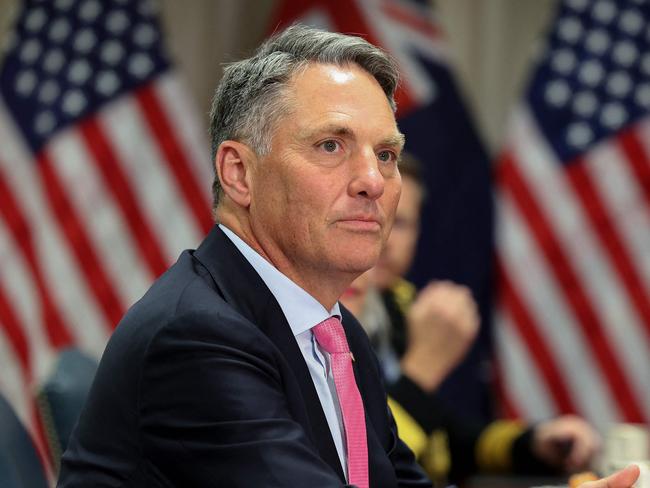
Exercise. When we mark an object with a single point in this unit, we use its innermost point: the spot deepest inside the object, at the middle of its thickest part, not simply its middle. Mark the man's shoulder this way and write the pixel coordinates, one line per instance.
(184, 301)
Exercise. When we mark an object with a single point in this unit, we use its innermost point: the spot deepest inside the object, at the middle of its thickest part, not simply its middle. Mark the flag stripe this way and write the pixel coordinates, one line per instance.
(13, 380)
(57, 332)
(624, 201)
(14, 332)
(100, 214)
(175, 157)
(578, 170)
(74, 300)
(507, 407)
(637, 158)
(535, 284)
(525, 389)
(536, 344)
(20, 291)
(511, 180)
(84, 230)
(20, 345)
(110, 168)
(355, 21)
(180, 109)
(79, 242)
(155, 186)
(402, 15)
(402, 41)
(605, 229)
(549, 186)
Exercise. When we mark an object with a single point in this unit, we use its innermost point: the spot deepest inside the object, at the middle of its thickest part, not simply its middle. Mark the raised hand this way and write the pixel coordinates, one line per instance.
(442, 323)
(567, 442)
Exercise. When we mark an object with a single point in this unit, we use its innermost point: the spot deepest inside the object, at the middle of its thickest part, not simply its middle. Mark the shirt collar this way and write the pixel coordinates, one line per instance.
(301, 310)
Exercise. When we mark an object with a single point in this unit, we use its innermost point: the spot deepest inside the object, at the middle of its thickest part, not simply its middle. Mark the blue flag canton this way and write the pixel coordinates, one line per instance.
(594, 78)
(68, 57)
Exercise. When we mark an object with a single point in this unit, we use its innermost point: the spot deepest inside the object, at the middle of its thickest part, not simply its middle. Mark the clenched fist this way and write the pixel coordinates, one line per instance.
(442, 323)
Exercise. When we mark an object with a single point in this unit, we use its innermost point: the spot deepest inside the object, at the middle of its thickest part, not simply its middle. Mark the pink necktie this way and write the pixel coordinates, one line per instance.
(331, 336)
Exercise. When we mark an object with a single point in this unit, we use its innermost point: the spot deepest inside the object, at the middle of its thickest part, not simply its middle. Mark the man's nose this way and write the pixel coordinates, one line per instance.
(366, 180)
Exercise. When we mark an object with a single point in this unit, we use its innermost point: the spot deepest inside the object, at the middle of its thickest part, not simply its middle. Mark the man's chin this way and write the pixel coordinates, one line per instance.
(356, 267)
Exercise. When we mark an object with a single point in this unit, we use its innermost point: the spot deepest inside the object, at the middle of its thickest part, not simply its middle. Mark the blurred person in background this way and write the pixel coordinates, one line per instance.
(419, 338)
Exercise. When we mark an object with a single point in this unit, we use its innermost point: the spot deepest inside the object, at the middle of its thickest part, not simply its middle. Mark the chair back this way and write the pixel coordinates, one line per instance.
(20, 466)
(62, 397)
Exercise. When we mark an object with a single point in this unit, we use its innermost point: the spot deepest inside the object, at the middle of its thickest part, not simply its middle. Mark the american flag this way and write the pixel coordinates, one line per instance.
(456, 239)
(573, 234)
(104, 179)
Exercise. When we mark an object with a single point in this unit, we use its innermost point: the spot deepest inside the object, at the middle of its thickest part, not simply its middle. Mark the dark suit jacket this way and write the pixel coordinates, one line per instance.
(202, 384)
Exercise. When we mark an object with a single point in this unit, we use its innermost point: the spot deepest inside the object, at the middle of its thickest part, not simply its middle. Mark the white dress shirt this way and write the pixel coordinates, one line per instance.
(303, 312)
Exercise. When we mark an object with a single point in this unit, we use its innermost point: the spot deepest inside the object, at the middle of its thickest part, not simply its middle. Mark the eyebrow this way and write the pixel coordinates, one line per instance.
(396, 140)
(336, 129)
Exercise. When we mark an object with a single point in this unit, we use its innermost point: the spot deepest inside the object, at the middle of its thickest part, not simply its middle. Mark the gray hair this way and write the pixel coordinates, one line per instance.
(252, 96)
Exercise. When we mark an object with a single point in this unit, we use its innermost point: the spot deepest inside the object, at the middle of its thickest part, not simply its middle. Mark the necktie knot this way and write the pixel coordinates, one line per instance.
(331, 336)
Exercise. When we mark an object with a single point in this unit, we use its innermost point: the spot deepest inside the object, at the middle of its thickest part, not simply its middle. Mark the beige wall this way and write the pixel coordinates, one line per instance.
(492, 40)
(7, 12)
(203, 34)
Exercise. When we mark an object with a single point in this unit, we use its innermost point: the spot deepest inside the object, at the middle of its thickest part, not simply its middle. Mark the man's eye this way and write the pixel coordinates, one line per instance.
(386, 156)
(330, 146)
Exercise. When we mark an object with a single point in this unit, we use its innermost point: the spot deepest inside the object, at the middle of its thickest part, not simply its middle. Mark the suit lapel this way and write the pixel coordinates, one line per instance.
(286, 342)
(242, 287)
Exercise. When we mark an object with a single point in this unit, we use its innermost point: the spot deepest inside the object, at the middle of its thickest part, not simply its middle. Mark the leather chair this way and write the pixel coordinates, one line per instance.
(20, 466)
(62, 397)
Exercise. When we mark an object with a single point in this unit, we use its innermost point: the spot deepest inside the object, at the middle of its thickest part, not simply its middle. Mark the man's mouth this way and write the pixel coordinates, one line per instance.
(361, 223)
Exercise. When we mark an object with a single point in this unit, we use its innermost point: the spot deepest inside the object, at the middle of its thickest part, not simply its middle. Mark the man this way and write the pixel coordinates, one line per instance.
(215, 377)
(426, 334)
(234, 369)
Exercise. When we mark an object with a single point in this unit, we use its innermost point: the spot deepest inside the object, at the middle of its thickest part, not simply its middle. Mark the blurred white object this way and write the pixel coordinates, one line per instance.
(644, 477)
(628, 444)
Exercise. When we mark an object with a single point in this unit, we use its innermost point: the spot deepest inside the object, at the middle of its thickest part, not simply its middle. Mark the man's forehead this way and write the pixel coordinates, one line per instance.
(336, 75)
(341, 100)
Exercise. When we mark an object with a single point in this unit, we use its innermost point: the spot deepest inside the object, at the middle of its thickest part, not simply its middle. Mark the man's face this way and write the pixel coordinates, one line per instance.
(397, 256)
(324, 199)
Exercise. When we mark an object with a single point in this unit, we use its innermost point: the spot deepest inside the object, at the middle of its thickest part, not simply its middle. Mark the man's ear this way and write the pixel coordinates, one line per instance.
(233, 163)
